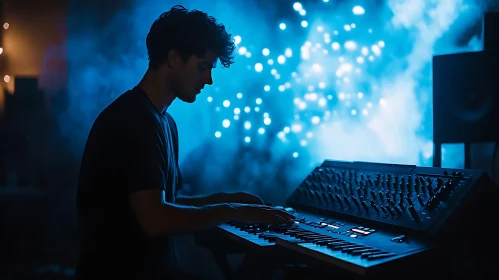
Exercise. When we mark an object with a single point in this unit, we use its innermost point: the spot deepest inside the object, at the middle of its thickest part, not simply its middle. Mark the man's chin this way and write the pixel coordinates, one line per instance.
(188, 98)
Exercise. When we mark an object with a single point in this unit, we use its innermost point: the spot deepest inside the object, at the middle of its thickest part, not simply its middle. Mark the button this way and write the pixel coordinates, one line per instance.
(400, 238)
(353, 235)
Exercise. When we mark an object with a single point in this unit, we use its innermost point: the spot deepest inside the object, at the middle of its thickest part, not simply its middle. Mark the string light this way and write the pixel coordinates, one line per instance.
(6, 78)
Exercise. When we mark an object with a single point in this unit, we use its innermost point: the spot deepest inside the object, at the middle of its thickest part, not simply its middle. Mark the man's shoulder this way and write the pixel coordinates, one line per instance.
(127, 110)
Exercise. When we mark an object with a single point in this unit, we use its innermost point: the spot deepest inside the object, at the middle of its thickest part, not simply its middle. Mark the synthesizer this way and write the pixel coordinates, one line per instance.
(368, 217)
(420, 200)
(347, 245)
(380, 214)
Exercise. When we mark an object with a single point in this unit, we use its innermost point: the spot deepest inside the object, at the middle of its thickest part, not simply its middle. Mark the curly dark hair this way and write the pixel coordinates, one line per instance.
(191, 33)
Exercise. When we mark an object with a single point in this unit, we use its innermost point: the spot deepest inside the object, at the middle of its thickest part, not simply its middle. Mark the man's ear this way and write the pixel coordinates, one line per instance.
(173, 58)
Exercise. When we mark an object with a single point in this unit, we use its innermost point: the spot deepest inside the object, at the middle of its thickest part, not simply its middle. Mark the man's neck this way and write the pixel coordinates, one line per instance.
(157, 90)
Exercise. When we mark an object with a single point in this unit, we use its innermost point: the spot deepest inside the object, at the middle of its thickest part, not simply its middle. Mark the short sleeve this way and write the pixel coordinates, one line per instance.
(143, 154)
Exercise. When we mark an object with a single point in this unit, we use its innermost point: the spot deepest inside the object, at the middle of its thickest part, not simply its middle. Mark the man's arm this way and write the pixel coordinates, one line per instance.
(220, 197)
(143, 163)
(158, 218)
(200, 200)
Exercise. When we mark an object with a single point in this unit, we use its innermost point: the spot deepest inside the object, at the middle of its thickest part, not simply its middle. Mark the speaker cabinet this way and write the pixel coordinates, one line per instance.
(466, 98)
(491, 32)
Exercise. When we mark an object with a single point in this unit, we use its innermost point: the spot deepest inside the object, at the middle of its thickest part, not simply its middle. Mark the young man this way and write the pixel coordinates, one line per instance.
(127, 205)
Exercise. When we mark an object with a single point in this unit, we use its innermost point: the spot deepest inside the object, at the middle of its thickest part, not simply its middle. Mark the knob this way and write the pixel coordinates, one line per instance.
(421, 180)
(429, 188)
(307, 184)
(439, 181)
(409, 200)
(380, 194)
(414, 214)
(389, 209)
(331, 196)
(314, 194)
(346, 200)
(355, 201)
(324, 196)
(364, 204)
(420, 200)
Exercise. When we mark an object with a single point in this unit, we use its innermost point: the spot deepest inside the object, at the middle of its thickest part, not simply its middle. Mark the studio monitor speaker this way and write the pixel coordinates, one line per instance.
(466, 98)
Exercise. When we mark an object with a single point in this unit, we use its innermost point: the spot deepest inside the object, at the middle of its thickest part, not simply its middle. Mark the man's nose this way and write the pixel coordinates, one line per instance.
(209, 79)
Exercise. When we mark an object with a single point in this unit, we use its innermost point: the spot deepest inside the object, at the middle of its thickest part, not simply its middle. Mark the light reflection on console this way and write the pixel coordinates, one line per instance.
(363, 231)
(329, 225)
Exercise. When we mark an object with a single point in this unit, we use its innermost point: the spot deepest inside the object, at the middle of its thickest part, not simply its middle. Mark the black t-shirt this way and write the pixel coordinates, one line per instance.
(132, 146)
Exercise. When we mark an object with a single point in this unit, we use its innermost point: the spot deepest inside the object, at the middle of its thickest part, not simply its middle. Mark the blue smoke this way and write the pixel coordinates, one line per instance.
(311, 81)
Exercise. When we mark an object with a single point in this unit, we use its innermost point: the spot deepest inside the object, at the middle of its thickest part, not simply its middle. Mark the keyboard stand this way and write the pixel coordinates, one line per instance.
(291, 272)
(220, 247)
(295, 272)
(220, 255)
(223, 265)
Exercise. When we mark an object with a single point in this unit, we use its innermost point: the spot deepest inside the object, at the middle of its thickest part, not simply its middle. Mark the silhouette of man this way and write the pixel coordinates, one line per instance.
(127, 205)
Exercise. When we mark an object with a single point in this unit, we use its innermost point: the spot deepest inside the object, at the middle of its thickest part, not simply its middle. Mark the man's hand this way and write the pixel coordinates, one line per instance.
(237, 197)
(260, 214)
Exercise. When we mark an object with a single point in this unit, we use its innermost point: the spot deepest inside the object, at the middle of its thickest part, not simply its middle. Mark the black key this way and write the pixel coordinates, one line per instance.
(362, 251)
(367, 254)
(380, 256)
(317, 239)
(348, 250)
(341, 247)
(334, 245)
(326, 241)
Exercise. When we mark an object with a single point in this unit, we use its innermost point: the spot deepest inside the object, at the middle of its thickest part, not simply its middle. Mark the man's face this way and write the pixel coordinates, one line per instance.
(187, 79)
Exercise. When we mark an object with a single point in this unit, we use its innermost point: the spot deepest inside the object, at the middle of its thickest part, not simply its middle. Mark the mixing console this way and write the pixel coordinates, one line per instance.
(415, 199)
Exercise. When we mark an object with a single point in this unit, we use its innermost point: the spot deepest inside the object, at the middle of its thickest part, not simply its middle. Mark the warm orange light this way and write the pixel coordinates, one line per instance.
(6, 25)
(1, 50)
(6, 78)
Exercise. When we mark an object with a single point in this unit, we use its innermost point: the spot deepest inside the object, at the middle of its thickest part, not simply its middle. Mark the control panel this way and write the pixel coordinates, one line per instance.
(414, 198)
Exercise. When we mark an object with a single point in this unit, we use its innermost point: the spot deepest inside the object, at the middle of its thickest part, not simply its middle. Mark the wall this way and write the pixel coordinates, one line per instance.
(37, 31)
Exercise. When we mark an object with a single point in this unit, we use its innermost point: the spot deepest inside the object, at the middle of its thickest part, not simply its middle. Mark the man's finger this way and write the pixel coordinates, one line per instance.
(285, 214)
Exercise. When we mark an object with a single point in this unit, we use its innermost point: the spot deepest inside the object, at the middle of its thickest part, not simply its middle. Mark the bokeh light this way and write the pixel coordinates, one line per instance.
(344, 80)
